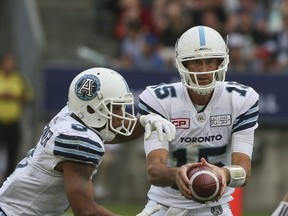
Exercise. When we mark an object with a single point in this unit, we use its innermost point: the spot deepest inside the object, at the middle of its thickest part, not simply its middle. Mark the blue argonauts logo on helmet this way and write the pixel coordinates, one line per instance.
(87, 86)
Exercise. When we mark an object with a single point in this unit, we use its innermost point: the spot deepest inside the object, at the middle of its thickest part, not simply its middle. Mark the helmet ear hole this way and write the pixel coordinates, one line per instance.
(90, 110)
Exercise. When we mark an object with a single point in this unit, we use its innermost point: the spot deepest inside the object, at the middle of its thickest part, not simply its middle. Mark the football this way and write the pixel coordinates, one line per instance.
(205, 184)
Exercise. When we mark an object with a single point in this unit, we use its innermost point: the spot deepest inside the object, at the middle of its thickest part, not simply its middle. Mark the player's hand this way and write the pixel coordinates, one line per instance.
(182, 180)
(155, 122)
(221, 173)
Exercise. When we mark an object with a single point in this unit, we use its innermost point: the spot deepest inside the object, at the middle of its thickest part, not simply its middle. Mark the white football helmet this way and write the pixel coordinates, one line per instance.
(92, 95)
(201, 42)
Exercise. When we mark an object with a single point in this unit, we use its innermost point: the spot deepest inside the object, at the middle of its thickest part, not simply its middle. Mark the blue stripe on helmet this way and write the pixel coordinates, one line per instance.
(202, 36)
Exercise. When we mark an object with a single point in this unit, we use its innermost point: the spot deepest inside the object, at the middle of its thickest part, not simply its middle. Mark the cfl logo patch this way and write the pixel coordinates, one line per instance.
(181, 123)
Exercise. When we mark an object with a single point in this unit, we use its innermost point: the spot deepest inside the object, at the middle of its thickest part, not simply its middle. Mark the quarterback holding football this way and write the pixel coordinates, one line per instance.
(215, 122)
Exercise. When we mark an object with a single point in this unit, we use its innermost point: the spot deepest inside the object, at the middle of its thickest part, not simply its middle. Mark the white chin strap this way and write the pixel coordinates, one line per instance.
(200, 91)
(107, 135)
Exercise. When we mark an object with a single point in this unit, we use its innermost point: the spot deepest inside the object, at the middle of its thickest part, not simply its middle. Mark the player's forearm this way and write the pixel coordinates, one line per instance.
(161, 175)
(243, 161)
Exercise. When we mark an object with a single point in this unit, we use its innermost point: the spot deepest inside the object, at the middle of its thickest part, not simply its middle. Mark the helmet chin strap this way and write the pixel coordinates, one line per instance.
(203, 92)
(104, 133)
(107, 135)
(199, 91)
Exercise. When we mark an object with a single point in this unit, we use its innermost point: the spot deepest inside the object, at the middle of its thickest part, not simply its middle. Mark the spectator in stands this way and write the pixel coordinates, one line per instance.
(139, 49)
(171, 20)
(176, 21)
(15, 93)
(265, 59)
(252, 19)
(129, 11)
(211, 19)
(150, 57)
(203, 10)
(246, 29)
(251, 23)
(105, 16)
(238, 61)
(280, 40)
(165, 19)
(130, 44)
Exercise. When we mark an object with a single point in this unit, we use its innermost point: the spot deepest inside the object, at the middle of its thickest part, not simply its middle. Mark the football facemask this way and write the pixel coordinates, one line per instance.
(93, 91)
(201, 42)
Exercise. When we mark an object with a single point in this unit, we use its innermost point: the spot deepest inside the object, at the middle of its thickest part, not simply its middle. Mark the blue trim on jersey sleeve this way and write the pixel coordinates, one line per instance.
(145, 109)
(248, 119)
(78, 148)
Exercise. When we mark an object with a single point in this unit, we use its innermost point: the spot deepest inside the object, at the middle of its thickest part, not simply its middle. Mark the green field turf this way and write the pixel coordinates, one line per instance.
(132, 210)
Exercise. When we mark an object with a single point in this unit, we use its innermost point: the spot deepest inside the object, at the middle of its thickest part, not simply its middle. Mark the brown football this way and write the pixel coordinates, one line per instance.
(205, 184)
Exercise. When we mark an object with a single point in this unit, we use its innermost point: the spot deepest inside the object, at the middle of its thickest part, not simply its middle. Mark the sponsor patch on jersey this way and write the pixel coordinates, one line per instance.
(220, 120)
(87, 87)
(181, 123)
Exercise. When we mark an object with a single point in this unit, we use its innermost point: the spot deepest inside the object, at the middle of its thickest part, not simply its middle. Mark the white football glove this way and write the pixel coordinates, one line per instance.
(153, 122)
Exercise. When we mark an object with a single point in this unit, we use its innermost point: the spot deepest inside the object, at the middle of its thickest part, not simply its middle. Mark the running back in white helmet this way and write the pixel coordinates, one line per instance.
(201, 42)
(94, 94)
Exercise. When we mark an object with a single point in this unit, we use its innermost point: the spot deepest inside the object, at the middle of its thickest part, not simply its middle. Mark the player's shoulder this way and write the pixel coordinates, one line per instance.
(74, 140)
(163, 85)
(78, 143)
(239, 96)
(63, 122)
(164, 90)
(239, 90)
(159, 98)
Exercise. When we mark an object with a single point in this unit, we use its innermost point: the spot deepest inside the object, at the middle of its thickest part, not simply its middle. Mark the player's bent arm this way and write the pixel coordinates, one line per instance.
(242, 147)
(238, 173)
(159, 174)
(80, 191)
(146, 125)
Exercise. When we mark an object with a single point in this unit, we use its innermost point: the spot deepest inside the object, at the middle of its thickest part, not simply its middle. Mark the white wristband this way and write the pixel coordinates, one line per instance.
(237, 176)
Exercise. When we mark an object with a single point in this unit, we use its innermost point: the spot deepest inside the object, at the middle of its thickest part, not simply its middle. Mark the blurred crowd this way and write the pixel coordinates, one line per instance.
(146, 31)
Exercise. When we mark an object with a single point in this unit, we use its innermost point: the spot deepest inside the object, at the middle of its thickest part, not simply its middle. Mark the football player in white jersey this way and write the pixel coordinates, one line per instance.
(282, 208)
(58, 172)
(215, 122)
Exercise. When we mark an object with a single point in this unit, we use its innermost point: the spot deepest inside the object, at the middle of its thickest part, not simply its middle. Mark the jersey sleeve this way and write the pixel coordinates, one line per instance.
(245, 124)
(78, 148)
(149, 103)
(248, 112)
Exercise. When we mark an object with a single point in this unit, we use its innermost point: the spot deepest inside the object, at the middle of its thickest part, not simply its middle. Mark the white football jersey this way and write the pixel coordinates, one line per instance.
(208, 133)
(35, 188)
